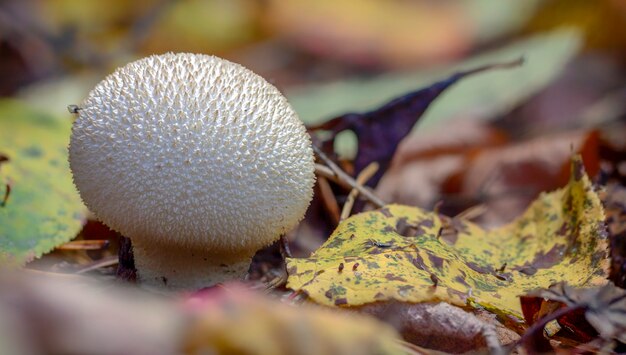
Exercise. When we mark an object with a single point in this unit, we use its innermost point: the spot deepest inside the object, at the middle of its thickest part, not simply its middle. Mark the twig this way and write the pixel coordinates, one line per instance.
(472, 213)
(106, 262)
(278, 281)
(84, 245)
(328, 199)
(284, 247)
(323, 170)
(365, 175)
(347, 179)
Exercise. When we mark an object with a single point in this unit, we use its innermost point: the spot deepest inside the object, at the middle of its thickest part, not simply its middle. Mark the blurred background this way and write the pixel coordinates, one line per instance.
(497, 138)
(483, 150)
(67, 43)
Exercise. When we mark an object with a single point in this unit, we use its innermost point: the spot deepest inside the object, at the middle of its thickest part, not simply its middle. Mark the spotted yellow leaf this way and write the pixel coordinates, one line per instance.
(408, 254)
(39, 206)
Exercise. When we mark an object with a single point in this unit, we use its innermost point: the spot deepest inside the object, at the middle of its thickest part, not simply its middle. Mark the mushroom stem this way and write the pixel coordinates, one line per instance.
(186, 269)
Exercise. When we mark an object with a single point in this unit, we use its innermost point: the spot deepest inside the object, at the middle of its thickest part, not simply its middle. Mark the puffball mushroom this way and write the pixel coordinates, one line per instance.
(198, 160)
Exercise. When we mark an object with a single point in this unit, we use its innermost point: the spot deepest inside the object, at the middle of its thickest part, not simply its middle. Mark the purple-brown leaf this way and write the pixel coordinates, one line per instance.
(380, 131)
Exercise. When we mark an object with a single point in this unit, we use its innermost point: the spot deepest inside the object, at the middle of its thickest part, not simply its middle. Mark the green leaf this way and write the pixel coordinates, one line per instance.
(42, 209)
(407, 254)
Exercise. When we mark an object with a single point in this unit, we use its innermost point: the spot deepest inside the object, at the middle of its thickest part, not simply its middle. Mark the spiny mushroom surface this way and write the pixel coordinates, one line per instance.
(198, 160)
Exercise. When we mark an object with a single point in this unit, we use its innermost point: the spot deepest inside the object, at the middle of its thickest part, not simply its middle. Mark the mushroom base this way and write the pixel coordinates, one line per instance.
(186, 269)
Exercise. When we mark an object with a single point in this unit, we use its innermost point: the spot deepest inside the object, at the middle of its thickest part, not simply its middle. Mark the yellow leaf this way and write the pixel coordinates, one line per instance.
(399, 253)
(86, 316)
(241, 322)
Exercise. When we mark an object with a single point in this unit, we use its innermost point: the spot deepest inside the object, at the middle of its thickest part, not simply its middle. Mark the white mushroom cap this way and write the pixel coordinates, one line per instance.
(194, 151)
